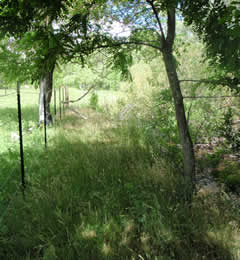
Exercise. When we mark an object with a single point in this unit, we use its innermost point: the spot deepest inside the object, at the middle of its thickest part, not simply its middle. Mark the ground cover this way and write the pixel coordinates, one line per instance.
(95, 194)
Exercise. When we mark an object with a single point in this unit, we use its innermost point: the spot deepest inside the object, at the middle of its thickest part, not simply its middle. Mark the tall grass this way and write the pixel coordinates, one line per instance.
(100, 198)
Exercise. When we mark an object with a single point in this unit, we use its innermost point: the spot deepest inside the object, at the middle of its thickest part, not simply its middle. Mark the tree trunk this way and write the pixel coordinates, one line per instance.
(185, 138)
(46, 82)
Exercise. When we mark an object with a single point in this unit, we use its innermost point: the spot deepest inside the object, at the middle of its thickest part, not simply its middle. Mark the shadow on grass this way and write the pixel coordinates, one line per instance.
(100, 200)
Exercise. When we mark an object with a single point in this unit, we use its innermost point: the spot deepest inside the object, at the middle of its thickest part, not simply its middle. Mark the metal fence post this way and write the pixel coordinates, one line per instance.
(21, 137)
(63, 100)
(60, 105)
(55, 108)
(45, 120)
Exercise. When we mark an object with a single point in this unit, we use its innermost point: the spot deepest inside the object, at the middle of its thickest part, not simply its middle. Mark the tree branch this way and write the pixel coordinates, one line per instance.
(79, 114)
(73, 101)
(158, 20)
(129, 43)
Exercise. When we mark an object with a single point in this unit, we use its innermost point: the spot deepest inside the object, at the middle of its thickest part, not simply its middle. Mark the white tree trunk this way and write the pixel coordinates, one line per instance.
(45, 90)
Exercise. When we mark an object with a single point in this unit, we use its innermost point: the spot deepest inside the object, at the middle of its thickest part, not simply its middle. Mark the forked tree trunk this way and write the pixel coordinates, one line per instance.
(46, 83)
(185, 138)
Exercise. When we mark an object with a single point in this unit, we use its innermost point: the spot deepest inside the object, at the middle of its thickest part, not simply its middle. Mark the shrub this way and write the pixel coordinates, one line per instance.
(227, 130)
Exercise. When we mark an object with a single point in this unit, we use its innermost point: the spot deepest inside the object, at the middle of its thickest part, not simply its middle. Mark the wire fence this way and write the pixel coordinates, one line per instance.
(206, 114)
(60, 99)
(10, 184)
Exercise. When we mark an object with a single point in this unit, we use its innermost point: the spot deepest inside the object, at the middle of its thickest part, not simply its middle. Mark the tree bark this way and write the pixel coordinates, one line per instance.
(185, 138)
(46, 82)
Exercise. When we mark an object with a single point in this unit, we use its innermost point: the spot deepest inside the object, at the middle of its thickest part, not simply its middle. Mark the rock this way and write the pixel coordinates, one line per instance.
(211, 188)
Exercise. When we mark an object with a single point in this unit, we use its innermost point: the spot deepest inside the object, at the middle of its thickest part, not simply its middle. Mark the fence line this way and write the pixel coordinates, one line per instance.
(21, 135)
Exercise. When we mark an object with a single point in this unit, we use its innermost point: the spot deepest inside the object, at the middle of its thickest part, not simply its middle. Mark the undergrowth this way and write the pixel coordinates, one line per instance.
(105, 199)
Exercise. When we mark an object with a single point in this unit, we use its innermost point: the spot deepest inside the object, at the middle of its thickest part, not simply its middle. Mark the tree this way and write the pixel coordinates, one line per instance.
(30, 59)
(153, 23)
(31, 53)
(145, 18)
(37, 45)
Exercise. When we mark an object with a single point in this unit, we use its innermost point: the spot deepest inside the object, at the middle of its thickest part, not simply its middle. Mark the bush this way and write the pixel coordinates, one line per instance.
(227, 130)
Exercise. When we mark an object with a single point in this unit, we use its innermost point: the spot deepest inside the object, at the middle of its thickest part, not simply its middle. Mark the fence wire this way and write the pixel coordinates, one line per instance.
(10, 94)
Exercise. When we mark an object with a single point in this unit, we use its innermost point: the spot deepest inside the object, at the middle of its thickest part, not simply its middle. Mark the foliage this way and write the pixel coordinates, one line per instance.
(94, 73)
(228, 131)
(217, 23)
(44, 35)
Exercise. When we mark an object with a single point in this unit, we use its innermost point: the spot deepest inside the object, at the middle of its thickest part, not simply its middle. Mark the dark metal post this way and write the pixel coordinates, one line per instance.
(45, 120)
(60, 105)
(55, 108)
(20, 137)
(63, 100)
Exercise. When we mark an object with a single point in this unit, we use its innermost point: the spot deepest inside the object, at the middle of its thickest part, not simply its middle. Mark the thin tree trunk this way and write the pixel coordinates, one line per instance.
(46, 83)
(185, 138)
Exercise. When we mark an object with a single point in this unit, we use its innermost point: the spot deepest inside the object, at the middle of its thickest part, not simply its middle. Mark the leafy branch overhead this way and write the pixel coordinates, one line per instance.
(218, 25)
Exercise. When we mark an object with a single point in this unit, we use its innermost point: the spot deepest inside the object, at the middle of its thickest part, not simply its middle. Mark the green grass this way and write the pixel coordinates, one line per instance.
(103, 201)
(95, 194)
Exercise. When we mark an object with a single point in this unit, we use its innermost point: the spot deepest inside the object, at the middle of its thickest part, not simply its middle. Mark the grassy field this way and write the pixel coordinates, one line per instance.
(98, 192)
(29, 100)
